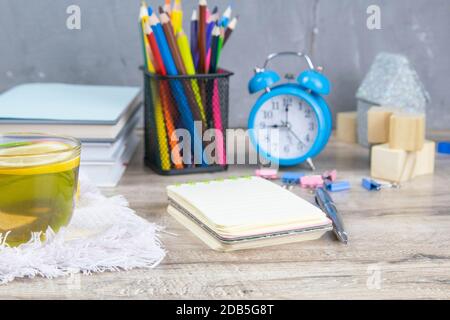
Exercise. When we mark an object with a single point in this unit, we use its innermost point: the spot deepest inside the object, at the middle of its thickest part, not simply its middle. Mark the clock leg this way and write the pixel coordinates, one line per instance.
(311, 164)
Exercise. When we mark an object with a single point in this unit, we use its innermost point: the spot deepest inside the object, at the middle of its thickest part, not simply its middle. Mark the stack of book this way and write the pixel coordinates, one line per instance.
(103, 118)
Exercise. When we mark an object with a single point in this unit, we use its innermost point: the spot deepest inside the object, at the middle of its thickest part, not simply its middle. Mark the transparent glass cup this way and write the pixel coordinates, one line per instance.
(38, 184)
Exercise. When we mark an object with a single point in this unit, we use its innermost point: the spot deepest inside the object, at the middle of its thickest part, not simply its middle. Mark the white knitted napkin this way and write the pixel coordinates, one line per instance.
(103, 235)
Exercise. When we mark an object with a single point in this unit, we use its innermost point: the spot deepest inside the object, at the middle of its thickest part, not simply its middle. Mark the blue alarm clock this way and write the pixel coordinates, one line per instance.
(290, 123)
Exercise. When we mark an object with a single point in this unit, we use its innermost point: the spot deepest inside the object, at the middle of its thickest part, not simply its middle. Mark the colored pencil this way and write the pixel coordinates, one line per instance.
(177, 16)
(145, 46)
(168, 110)
(177, 88)
(214, 99)
(168, 31)
(202, 6)
(211, 22)
(167, 7)
(217, 120)
(194, 35)
(220, 45)
(183, 45)
(230, 28)
(225, 17)
(158, 62)
(171, 41)
(194, 38)
(214, 49)
(164, 156)
(162, 43)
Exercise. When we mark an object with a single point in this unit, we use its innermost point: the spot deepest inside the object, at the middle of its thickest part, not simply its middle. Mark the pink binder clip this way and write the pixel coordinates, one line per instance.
(311, 181)
(265, 173)
(330, 175)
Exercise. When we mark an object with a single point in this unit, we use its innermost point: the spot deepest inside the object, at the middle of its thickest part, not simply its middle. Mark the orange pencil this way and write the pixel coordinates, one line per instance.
(167, 7)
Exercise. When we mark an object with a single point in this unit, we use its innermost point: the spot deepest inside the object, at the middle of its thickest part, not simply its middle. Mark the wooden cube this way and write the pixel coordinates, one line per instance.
(378, 119)
(387, 163)
(407, 131)
(425, 159)
(397, 165)
(346, 127)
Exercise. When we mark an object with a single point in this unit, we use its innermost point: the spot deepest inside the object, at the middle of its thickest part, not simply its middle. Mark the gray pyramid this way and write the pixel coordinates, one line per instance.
(391, 81)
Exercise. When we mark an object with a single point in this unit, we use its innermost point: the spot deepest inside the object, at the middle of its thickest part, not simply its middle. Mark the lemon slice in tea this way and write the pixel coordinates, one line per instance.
(37, 157)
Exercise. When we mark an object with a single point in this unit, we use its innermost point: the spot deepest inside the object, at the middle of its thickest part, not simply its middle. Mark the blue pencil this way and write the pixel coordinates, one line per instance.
(226, 17)
(177, 88)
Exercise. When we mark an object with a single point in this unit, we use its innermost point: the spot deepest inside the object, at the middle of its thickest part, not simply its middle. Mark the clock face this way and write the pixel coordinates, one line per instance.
(285, 127)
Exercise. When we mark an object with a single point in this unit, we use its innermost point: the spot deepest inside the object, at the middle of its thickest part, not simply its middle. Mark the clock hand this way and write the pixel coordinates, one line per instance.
(278, 126)
(296, 137)
(287, 114)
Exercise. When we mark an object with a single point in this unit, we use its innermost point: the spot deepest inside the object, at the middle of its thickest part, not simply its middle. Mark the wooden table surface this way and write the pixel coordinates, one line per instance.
(399, 246)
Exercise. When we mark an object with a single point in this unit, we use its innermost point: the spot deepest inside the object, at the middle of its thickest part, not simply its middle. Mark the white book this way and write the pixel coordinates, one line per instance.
(109, 173)
(110, 151)
(245, 213)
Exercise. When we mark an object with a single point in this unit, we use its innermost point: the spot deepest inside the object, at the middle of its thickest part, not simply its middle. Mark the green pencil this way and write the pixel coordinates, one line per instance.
(219, 47)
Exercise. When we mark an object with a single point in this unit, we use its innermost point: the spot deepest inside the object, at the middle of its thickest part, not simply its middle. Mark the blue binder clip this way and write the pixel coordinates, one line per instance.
(337, 186)
(370, 184)
(291, 177)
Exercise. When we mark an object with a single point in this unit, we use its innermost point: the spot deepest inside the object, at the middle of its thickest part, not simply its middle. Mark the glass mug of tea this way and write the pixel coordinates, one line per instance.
(38, 184)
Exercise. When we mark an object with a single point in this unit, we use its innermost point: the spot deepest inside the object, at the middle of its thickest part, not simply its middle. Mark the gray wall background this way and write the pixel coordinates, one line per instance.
(35, 44)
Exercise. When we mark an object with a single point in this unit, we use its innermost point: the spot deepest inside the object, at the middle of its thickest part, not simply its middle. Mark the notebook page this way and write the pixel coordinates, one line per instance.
(245, 202)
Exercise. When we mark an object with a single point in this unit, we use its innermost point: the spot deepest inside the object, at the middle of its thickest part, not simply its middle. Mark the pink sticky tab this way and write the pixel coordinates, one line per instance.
(267, 173)
(311, 181)
(330, 175)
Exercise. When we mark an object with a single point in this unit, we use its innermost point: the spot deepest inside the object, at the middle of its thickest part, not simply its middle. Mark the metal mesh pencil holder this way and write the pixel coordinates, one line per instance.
(186, 118)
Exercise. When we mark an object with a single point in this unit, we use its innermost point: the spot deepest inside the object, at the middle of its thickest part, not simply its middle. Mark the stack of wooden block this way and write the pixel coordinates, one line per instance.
(399, 149)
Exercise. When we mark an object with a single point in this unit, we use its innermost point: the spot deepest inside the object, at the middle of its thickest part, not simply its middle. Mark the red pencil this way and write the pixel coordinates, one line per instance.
(159, 64)
(202, 7)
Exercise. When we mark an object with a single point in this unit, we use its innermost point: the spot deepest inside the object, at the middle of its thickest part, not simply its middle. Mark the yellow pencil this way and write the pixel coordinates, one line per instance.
(186, 56)
(163, 146)
(148, 52)
(177, 16)
(160, 130)
(143, 17)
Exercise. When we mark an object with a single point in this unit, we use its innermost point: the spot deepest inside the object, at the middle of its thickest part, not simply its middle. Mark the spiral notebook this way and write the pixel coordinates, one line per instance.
(246, 212)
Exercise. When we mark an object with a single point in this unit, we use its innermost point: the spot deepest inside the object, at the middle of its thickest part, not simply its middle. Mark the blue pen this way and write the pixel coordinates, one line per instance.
(178, 92)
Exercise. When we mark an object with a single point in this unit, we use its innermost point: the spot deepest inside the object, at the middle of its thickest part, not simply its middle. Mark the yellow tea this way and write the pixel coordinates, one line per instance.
(38, 184)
